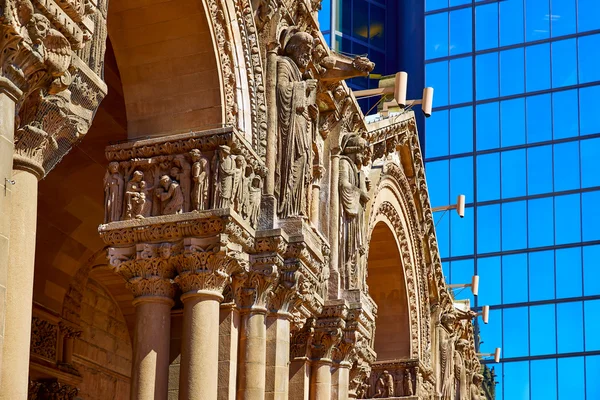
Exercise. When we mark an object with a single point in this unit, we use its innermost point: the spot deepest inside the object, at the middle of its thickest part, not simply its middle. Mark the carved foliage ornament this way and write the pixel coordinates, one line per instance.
(44, 338)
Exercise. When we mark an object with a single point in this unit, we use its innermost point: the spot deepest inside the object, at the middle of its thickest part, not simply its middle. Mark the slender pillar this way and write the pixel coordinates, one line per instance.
(300, 369)
(228, 351)
(314, 204)
(278, 357)
(340, 381)
(19, 288)
(253, 341)
(151, 344)
(198, 377)
(271, 83)
(334, 226)
(320, 380)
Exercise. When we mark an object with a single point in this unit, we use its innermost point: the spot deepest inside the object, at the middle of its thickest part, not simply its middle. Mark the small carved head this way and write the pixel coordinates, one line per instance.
(165, 181)
(174, 172)
(195, 155)
(239, 161)
(113, 167)
(299, 49)
(355, 147)
(225, 151)
(448, 319)
(477, 379)
(137, 176)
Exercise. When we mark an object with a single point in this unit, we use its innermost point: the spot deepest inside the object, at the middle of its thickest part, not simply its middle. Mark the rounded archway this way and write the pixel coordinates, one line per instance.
(387, 286)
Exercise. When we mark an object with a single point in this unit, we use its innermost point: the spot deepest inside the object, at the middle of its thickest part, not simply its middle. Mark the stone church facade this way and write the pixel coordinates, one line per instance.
(194, 207)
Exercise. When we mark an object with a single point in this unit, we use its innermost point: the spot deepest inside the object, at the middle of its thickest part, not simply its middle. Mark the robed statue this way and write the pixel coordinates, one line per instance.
(354, 189)
(113, 193)
(297, 112)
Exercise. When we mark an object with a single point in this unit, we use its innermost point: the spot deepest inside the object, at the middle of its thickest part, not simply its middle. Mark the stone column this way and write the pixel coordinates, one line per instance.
(148, 270)
(315, 203)
(202, 276)
(251, 292)
(334, 226)
(320, 380)
(340, 380)
(300, 367)
(271, 83)
(228, 349)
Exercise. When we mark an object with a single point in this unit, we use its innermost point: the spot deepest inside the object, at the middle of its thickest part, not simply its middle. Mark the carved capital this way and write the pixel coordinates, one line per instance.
(44, 338)
(301, 340)
(253, 289)
(51, 389)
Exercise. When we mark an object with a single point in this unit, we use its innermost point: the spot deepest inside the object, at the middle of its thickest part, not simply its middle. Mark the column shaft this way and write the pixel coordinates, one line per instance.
(253, 341)
(19, 288)
(271, 156)
(340, 382)
(300, 379)
(228, 351)
(314, 204)
(278, 357)
(320, 380)
(151, 345)
(198, 378)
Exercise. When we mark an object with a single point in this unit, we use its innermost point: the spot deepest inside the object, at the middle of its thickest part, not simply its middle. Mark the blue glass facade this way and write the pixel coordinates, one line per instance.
(514, 129)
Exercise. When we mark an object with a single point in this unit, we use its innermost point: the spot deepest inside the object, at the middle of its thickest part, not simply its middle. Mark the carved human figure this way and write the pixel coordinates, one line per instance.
(354, 194)
(446, 341)
(201, 181)
(135, 196)
(385, 386)
(184, 179)
(171, 196)
(225, 170)
(254, 199)
(408, 383)
(296, 115)
(476, 387)
(460, 372)
(239, 181)
(113, 193)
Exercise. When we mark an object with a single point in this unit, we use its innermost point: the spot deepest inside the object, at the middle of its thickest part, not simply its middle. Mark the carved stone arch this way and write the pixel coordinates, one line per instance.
(393, 204)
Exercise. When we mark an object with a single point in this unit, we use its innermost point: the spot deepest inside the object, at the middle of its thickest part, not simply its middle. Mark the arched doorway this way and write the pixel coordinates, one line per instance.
(388, 288)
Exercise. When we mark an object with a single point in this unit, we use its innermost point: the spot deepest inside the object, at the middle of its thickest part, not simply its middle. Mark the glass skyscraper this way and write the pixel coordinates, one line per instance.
(516, 128)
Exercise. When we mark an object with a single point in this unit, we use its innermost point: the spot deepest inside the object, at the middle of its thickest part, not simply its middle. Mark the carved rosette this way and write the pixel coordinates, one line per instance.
(147, 268)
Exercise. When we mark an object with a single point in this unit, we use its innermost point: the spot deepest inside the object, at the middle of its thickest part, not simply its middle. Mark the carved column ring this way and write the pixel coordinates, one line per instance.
(153, 299)
(205, 294)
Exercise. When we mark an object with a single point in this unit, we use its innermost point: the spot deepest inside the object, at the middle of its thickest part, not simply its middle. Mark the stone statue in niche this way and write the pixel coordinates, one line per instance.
(113, 193)
(408, 383)
(446, 340)
(385, 386)
(297, 113)
(170, 195)
(460, 372)
(354, 189)
(200, 176)
(254, 199)
(225, 170)
(239, 185)
(476, 387)
(135, 196)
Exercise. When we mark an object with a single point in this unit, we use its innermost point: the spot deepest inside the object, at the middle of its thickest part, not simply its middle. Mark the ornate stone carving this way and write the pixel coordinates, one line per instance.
(385, 386)
(113, 193)
(44, 338)
(135, 196)
(51, 390)
(296, 115)
(200, 175)
(253, 289)
(170, 196)
(354, 189)
(301, 340)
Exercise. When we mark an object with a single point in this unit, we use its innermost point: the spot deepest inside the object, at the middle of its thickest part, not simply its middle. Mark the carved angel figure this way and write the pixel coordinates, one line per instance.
(297, 112)
(170, 195)
(225, 170)
(113, 193)
(201, 181)
(354, 195)
(135, 196)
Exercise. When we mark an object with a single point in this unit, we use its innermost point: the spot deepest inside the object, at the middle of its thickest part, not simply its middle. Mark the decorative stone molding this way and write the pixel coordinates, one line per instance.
(301, 341)
(329, 330)
(51, 390)
(44, 339)
(253, 289)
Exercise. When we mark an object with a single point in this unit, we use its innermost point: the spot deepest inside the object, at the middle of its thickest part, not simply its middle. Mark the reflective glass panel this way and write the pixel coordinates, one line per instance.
(563, 18)
(537, 76)
(514, 231)
(541, 275)
(360, 20)
(564, 63)
(589, 58)
(492, 332)
(590, 216)
(566, 166)
(592, 372)
(436, 75)
(567, 228)
(539, 170)
(461, 31)
(513, 178)
(344, 20)
(488, 126)
(542, 334)
(536, 19)
(487, 76)
(590, 149)
(462, 233)
(461, 178)
(512, 72)
(539, 118)
(442, 232)
(514, 278)
(486, 26)
(570, 327)
(540, 222)
(512, 122)
(516, 334)
(589, 119)
(571, 378)
(436, 35)
(437, 128)
(431, 5)
(592, 325)
(587, 15)
(543, 379)
(461, 80)
(438, 180)
(488, 177)
(377, 26)
(488, 228)
(591, 270)
(511, 22)
(565, 106)
(461, 272)
(488, 269)
(568, 272)
(461, 130)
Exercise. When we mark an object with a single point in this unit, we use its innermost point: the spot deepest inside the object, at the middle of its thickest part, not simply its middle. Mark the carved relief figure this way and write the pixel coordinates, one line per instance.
(135, 196)
(297, 113)
(446, 339)
(460, 372)
(354, 195)
(254, 200)
(113, 193)
(170, 195)
(184, 179)
(476, 387)
(385, 386)
(239, 181)
(224, 178)
(201, 181)
(408, 383)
